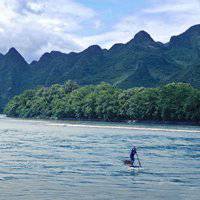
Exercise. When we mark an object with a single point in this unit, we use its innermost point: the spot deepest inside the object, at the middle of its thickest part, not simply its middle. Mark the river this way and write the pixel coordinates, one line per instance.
(49, 160)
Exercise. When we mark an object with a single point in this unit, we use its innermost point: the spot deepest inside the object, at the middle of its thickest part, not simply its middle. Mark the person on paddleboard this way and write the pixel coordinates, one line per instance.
(132, 154)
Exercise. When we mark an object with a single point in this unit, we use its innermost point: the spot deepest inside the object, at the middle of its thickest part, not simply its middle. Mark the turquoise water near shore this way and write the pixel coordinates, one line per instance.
(83, 160)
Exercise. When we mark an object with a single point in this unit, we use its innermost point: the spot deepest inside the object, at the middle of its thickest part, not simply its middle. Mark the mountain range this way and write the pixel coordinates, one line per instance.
(142, 62)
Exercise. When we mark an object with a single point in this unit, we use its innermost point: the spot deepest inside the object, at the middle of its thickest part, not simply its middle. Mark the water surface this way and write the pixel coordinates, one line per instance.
(47, 160)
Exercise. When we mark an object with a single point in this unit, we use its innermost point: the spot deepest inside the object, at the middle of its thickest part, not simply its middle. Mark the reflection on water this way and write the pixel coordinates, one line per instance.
(81, 160)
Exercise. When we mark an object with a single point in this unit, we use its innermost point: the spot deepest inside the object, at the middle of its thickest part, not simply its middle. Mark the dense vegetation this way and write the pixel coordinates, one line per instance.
(172, 102)
(142, 62)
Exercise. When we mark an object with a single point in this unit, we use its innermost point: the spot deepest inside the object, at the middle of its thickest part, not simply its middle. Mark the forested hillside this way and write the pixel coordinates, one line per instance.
(172, 102)
(140, 62)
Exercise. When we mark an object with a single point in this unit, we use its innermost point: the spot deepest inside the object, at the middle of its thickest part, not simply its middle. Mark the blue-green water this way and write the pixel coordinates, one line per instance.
(73, 160)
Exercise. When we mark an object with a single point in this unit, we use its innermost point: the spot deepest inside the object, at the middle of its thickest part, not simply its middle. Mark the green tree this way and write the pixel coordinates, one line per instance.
(70, 86)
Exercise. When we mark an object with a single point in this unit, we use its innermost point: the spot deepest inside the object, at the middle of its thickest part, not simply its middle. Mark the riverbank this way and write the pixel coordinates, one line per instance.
(131, 125)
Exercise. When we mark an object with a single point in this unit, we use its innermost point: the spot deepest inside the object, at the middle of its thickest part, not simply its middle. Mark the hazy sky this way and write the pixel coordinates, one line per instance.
(37, 26)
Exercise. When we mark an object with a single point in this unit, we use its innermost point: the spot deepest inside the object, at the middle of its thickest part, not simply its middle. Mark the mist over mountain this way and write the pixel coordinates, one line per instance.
(141, 62)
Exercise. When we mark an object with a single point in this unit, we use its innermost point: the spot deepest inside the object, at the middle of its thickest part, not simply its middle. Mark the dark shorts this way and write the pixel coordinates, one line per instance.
(132, 160)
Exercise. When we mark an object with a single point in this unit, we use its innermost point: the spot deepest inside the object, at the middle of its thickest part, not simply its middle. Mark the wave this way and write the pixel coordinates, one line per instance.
(125, 128)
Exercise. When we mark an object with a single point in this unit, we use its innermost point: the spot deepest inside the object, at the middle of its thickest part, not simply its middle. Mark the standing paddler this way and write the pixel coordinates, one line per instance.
(132, 158)
(132, 155)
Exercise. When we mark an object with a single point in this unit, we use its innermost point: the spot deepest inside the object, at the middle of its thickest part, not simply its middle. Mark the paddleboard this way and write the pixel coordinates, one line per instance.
(128, 163)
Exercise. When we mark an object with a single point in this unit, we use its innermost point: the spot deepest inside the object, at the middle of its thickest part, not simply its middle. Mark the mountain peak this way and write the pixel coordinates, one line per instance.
(141, 38)
(94, 49)
(45, 57)
(15, 56)
(194, 29)
(13, 53)
(187, 38)
(116, 47)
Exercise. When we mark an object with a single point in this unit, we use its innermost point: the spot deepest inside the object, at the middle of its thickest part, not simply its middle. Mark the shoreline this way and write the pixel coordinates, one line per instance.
(125, 122)
(106, 125)
(125, 128)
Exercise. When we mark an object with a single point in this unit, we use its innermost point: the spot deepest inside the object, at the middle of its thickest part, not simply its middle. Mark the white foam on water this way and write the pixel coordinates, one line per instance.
(124, 128)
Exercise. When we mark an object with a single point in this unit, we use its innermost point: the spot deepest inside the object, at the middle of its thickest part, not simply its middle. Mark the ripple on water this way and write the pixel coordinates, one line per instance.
(40, 161)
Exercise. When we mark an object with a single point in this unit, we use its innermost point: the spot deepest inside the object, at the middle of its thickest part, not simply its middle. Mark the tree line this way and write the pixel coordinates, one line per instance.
(171, 102)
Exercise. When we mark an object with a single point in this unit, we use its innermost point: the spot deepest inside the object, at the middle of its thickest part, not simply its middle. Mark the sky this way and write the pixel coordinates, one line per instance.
(34, 27)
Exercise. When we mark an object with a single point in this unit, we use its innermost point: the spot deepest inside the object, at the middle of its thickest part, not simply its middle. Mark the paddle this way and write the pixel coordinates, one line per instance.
(138, 160)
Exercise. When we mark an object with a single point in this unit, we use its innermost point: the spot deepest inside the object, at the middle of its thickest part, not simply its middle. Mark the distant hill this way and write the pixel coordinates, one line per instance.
(140, 62)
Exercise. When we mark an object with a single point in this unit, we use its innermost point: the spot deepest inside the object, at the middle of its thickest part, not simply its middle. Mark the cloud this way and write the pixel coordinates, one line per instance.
(175, 6)
(38, 26)
(161, 19)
